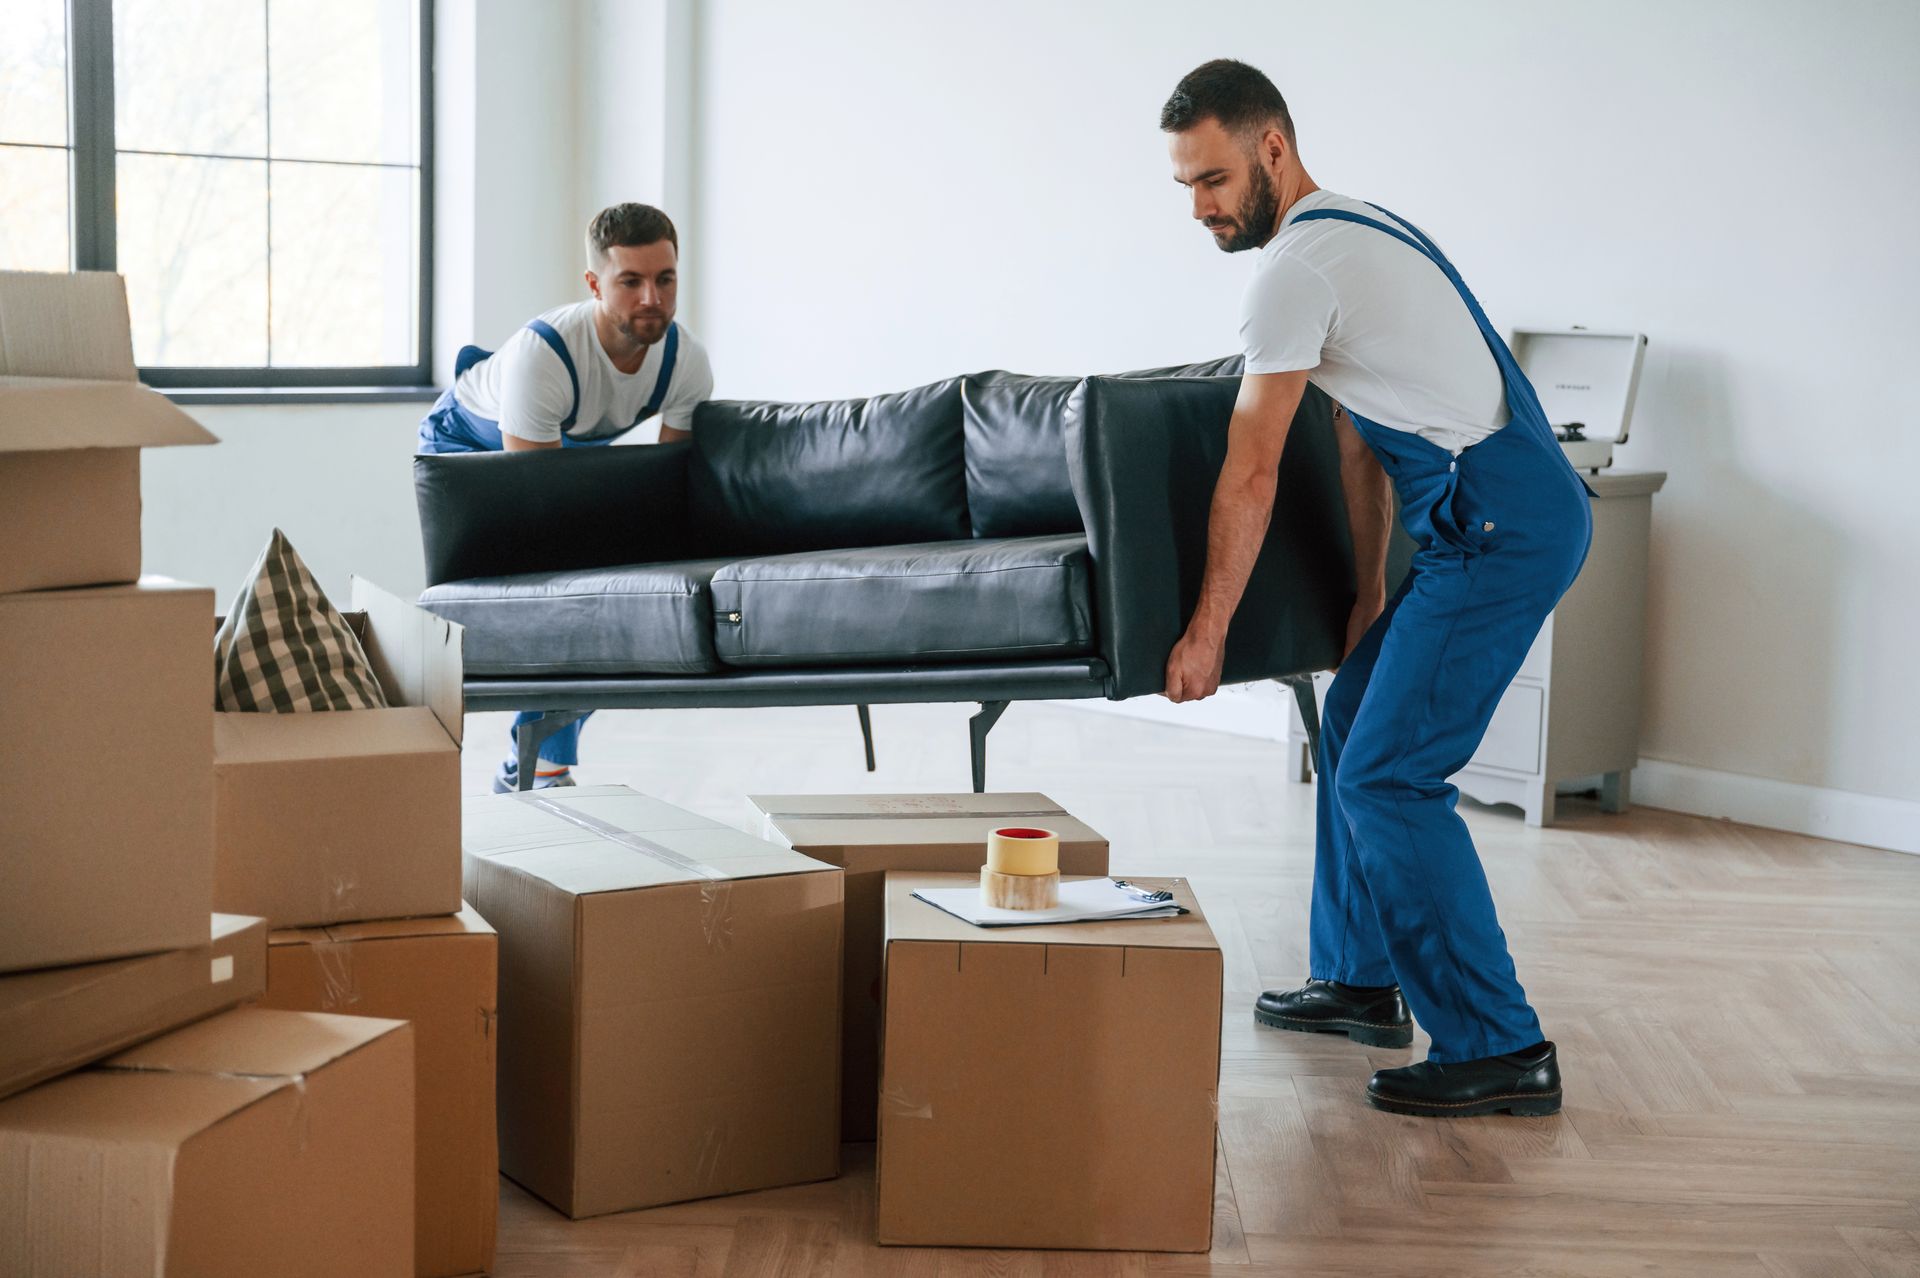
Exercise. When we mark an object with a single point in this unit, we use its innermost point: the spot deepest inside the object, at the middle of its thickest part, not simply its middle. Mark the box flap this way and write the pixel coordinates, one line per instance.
(155, 1110)
(255, 738)
(40, 415)
(610, 839)
(60, 324)
(912, 920)
(256, 1042)
(67, 378)
(885, 820)
(466, 923)
(415, 654)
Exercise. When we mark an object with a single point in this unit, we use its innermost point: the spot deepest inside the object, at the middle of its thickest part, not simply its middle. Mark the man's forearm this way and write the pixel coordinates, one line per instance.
(1236, 529)
(1369, 510)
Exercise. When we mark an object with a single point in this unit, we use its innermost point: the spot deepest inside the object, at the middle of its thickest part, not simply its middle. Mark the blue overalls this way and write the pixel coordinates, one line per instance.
(452, 428)
(1399, 895)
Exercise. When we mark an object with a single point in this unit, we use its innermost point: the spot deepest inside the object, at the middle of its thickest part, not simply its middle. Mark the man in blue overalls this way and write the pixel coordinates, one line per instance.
(582, 376)
(1364, 305)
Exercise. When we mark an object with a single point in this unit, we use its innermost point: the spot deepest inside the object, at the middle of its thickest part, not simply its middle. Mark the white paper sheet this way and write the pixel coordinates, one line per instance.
(1080, 902)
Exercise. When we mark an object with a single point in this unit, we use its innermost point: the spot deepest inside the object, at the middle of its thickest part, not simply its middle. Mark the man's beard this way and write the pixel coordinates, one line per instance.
(643, 331)
(1253, 221)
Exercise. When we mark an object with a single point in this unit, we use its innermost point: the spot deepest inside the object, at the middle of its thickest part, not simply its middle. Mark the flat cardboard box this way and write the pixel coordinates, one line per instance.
(106, 796)
(60, 1018)
(439, 974)
(254, 1142)
(1048, 1086)
(340, 816)
(73, 419)
(869, 834)
(669, 1000)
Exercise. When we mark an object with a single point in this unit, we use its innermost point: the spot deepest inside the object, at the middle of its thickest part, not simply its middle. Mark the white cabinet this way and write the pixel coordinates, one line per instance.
(1573, 710)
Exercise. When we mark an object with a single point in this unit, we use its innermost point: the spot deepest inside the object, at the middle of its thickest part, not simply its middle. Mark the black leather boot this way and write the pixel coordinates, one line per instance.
(1375, 1015)
(1526, 1082)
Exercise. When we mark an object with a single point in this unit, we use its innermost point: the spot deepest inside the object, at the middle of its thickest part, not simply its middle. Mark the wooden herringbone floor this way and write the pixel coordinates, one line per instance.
(1738, 1013)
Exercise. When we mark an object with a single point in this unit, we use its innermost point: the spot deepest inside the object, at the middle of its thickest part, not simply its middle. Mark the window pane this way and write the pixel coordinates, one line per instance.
(190, 77)
(193, 246)
(33, 71)
(33, 209)
(345, 80)
(343, 265)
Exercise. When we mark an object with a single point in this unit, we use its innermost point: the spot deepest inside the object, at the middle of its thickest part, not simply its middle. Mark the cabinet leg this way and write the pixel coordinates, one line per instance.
(1616, 791)
(1540, 810)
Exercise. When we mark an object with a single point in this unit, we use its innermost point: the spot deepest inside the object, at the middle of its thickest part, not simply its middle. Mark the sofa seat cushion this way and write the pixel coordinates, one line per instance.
(934, 602)
(633, 619)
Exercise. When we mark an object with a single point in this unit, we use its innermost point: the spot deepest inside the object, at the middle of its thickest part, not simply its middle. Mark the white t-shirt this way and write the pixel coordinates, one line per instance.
(525, 387)
(1380, 327)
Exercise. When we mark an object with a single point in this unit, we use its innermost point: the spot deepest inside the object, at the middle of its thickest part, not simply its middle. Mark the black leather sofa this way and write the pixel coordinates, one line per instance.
(989, 538)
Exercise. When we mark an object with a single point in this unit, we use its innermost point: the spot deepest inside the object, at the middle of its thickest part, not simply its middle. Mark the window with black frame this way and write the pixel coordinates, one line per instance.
(259, 170)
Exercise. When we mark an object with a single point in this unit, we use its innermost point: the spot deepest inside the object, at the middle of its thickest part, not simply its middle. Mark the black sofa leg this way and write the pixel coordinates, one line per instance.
(532, 735)
(866, 732)
(978, 727)
(1309, 714)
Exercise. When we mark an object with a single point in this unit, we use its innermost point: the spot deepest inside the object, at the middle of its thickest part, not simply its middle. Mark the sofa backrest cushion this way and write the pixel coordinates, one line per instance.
(778, 478)
(1017, 483)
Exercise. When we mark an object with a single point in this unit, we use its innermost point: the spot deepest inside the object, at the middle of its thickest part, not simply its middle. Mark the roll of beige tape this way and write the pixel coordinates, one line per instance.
(1023, 850)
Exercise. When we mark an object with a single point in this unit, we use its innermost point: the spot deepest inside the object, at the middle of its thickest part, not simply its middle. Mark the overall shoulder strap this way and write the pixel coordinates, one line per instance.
(548, 334)
(661, 383)
(1342, 215)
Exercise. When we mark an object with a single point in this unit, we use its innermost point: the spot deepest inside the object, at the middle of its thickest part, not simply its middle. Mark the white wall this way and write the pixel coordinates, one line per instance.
(891, 193)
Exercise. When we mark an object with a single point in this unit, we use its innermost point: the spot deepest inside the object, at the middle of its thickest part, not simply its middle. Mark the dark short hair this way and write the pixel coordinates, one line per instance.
(629, 226)
(1239, 96)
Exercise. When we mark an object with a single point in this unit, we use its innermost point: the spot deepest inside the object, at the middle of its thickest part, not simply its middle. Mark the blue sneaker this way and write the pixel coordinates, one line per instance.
(507, 779)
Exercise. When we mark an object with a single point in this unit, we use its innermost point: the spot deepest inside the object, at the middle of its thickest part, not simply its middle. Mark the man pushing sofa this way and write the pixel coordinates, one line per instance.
(583, 375)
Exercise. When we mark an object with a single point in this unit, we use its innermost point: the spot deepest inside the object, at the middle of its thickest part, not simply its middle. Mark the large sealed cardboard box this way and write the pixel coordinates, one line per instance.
(669, 1000)
(1048, 1086)
(439, 974)
(73, 419)
(60, 1018)
(343, 815)
(254, 1142)
(869, 834)
(106, 796)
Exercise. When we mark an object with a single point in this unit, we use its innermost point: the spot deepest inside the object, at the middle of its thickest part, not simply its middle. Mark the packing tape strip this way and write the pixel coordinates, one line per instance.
(625, 838)
(1023, 856)
(921, 815)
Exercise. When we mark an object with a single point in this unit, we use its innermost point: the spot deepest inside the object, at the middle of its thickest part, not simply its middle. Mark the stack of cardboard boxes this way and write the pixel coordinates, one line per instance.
(136, 1136)
(683, 1010)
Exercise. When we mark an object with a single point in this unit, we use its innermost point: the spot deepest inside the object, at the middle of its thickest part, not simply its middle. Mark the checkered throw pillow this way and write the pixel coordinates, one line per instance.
(284, 648)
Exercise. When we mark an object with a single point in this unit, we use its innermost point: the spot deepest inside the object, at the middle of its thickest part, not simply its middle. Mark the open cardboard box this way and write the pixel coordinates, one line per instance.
(339, 816)
(73, 419)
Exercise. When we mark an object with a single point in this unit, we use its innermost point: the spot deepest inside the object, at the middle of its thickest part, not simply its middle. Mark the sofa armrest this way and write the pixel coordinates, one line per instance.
(1144, 456)
(497, 514)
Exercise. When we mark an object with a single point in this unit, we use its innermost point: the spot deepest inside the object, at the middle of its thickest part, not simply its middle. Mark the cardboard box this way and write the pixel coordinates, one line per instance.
(252, 1143)
(61, 1018)
(1048, 1086)
(73, 419)
(669, 1000)
(439, 974)
(868, 834)
(342, 815)
(106, 795)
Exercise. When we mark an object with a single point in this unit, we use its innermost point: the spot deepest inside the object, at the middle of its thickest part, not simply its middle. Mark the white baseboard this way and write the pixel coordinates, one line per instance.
(1841, 815)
